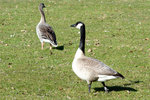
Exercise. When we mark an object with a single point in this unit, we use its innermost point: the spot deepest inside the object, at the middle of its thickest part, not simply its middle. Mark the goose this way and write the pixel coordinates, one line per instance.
(90, 69)
(45, 32)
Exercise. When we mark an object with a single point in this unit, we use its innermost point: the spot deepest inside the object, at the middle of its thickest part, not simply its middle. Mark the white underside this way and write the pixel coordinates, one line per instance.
(48, 41)
(103, 78)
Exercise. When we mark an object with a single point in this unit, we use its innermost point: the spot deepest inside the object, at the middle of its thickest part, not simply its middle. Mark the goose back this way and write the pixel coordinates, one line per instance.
(47, 32)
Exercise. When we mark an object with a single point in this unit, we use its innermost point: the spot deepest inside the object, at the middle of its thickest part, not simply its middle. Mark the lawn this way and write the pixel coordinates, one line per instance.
(117, 33)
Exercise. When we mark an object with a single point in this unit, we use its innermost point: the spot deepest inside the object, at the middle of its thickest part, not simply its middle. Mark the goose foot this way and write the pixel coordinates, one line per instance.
(105, 88)
(51, 52)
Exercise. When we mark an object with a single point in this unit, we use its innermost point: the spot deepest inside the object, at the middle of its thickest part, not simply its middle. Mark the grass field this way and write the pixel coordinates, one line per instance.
(117, 32)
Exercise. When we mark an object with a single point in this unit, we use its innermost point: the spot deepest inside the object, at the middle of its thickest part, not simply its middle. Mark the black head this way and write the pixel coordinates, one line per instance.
(78, 24)
(42, 5)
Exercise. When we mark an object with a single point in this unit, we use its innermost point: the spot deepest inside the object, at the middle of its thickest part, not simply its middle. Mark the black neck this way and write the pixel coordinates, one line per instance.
(82, 38)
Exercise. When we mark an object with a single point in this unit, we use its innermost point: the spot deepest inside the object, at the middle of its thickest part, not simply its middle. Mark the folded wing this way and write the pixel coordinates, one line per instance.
(48, 33)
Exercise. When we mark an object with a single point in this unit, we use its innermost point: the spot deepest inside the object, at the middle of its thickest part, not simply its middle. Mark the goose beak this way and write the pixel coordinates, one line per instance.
(74, 25)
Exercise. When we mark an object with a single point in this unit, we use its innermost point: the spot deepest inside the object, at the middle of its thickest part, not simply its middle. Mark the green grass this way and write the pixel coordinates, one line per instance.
(120, 28)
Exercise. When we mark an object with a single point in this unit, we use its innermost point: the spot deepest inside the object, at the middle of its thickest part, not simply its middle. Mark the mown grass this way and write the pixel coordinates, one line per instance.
(117, 32)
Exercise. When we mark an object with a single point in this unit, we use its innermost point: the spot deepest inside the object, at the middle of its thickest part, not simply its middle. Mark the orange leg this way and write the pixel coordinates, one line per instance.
(50, 47)
(42, 45)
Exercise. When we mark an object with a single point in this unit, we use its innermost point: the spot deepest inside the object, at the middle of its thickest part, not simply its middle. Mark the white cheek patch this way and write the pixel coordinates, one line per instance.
(79, 25)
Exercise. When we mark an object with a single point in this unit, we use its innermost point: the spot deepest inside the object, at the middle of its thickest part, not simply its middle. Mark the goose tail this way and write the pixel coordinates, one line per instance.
(119, 75)
(54, 43)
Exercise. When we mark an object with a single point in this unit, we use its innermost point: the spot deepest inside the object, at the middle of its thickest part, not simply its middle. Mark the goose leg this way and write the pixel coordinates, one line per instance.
(89, 85)
(105, 88)
(89, 88)
(50, 47)
(42, 45)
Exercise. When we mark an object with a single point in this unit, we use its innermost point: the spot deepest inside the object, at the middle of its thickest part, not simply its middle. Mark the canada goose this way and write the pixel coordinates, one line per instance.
(45, 32)
(90, 69)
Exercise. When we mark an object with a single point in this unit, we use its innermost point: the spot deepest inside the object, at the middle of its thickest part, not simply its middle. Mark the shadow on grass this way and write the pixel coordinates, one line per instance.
(59, 47)
(132, 82)
(120, 88)
(115, 88)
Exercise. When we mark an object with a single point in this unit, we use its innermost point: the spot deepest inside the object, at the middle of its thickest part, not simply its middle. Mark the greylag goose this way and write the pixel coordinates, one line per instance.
(45, 32)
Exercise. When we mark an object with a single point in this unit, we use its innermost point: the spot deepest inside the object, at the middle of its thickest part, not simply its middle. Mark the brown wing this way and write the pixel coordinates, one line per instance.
(48, 33)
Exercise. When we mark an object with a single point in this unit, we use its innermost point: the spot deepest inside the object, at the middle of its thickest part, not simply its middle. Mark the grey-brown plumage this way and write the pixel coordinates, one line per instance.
(90, 69)
(45, 32)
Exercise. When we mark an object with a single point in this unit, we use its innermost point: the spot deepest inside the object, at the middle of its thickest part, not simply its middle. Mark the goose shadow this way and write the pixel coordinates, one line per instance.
(132, 82)
(59, 47)
(120, 88)
(115, 88)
